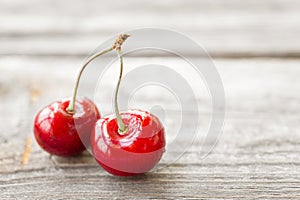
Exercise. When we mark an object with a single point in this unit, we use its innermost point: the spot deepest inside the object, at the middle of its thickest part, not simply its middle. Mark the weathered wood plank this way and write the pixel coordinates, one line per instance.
(242, 79)
(231, 29)
(234, 170)
(256, 156)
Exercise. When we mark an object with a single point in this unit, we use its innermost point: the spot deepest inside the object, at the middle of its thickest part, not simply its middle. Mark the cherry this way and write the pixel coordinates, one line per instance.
(59, 132)
(60, 126)
(130, 143)
(131, 153)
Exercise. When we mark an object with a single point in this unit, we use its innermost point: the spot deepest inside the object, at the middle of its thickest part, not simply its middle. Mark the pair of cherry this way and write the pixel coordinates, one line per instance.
(124, 144)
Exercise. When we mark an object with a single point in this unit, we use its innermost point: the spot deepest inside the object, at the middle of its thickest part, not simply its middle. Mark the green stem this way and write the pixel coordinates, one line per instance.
(121, 125)
(71, 107)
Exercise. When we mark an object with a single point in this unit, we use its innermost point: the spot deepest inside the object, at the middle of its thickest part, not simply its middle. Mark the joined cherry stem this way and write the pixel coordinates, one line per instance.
(121, 125)
(117, 45)
(71, 108)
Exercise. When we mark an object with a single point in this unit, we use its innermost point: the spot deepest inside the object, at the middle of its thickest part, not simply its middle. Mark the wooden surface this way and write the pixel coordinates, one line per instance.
(256, 48)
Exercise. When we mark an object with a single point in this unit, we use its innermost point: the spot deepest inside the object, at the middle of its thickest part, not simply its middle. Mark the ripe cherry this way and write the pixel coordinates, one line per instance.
(60, 126)
(133, 152)
(130, 143)
(61, 133)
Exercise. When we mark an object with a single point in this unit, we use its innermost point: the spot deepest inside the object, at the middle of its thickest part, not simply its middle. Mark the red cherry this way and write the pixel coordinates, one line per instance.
(59, 127)
(129, 143)
(57, 131)
(134, 152)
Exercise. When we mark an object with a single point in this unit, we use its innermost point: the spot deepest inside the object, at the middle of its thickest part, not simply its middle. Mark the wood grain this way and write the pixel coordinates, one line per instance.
(226, 29)
(256, 50)
(257, 156)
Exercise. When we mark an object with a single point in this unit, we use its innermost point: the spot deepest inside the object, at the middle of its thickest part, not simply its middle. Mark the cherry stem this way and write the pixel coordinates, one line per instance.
(117, 45)
(71, 107)
(121, 125)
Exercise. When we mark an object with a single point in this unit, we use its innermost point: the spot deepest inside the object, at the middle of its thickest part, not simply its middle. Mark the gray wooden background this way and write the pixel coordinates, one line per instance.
(255, 46)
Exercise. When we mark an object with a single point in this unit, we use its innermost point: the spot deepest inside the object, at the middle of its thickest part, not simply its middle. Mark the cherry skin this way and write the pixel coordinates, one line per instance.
(57, 131)
(133, 152)
(59, 127)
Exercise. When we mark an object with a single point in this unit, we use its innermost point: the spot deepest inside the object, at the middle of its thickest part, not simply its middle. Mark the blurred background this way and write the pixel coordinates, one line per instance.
(230, 28)
(254, 44)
